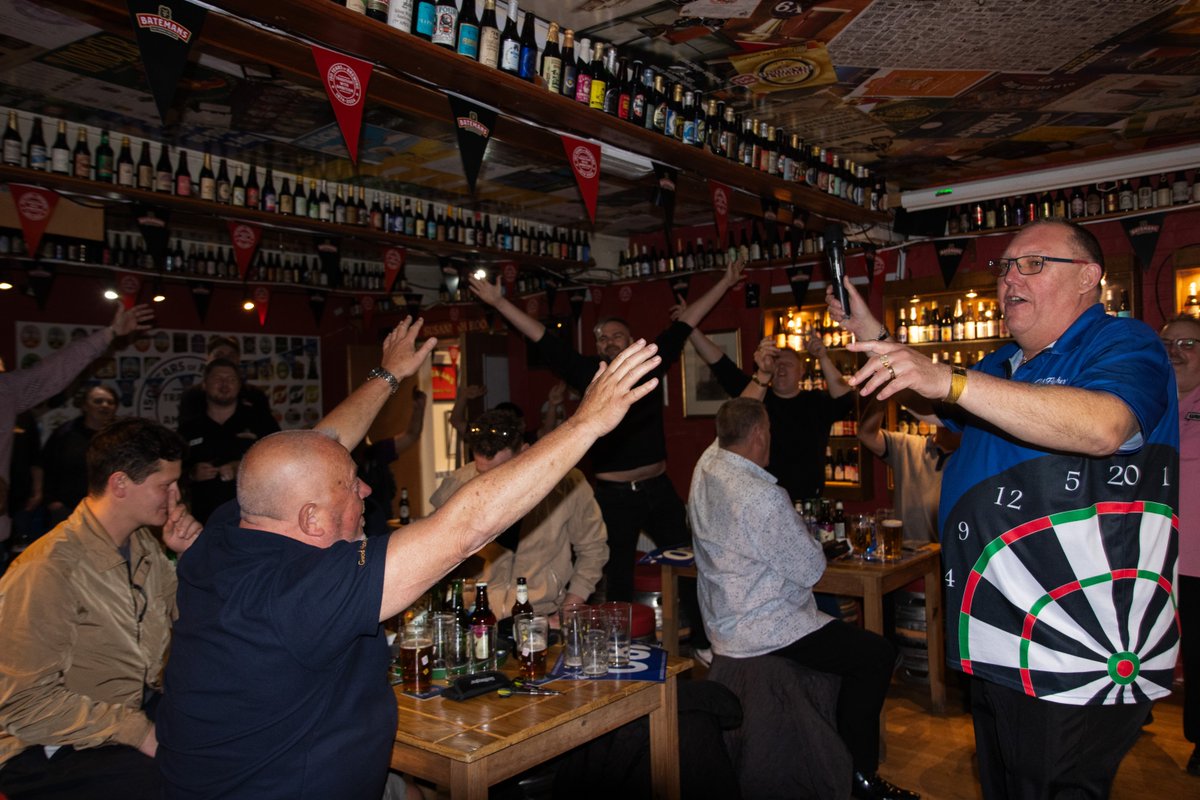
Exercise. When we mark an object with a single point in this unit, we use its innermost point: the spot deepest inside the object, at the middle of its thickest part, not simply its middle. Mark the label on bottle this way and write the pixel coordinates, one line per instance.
(510, 55)
(444, 19)
(37, 156)
(689, 131)
(300, 205)
(583, 87)
(208, 189)
(552, 73)
(357, 6)
(426, 19)
(12, 151)
(468, 40)
(659, 117)
(596, 93)
(251, 197)
(124, 173)
(60, 160)
(268, 202)
(83, 165)
(287, 203)
(239, 196)
(489, 47)
(183, 186)
(527, 67)
(400, 15)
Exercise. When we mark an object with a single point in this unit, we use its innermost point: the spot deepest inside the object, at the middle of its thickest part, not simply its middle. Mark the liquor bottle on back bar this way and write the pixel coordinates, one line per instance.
(468, 31)
(552, 61)
(510, 42)
(489, 36)
(36, 154)
(527, 58)
(445, 23)
(12, 141)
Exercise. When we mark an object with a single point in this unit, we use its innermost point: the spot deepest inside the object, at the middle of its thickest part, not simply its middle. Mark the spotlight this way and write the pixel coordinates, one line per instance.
(110, 294)
(159, 297)
(5, 286)
(247, 304)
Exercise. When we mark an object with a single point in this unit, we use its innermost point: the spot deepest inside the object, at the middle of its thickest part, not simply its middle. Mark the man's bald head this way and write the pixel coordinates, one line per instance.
(285, 470)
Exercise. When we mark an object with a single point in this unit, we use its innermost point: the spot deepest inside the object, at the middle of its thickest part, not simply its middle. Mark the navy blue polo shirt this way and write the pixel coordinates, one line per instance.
(277, 681)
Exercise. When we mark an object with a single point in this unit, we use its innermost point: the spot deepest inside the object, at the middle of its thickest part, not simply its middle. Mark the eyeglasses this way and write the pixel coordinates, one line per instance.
(1027, 265)
(1179, 344)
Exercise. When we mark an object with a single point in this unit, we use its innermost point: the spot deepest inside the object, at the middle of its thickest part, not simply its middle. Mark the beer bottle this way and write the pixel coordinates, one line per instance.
(455, 605)
(36, 154)
(522, 604)
(12, 141)
(60, 153)
(125, 167)
(405, 514)
(81, 158)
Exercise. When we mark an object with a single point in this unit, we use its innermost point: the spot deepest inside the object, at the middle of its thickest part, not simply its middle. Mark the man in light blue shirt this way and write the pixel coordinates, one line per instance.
(757, 565)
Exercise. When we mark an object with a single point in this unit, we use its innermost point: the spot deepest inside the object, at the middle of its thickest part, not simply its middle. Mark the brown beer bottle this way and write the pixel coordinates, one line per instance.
(522, 605)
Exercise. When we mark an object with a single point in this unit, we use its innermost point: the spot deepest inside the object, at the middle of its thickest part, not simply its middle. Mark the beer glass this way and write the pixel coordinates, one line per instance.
(595, 643)
(416, 658)
(862, 535)
(574, 617)
(531, 633)
(889, 532)
(620, 623)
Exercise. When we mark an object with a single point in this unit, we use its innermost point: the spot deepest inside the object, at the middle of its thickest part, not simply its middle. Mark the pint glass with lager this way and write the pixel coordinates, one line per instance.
(416, 659)
(532, 634)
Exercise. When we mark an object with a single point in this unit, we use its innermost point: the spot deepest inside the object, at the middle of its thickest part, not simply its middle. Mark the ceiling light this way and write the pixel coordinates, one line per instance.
(1134, 165)
(159, 297)
(5, 286)
(110, 294)
(247, 304)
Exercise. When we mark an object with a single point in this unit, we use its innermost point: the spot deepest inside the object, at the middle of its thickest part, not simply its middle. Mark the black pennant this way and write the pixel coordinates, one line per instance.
(412, 304)
(316, 304)
(664, 196)
(680, 285)
(154, 223)
(799, 279)
(165, 30)
(41, 281)
(473, 125)
(1143, 236)
(202, 296)
(576, 299)
(869, 255)
(949, 255)
(329, 251)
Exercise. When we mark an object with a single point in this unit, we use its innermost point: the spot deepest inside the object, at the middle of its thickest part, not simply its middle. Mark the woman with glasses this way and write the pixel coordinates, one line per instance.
(1179, 336)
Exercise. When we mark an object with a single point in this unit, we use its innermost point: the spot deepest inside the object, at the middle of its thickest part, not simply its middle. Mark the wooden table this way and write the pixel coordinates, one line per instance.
(867, 580)
(468, 746)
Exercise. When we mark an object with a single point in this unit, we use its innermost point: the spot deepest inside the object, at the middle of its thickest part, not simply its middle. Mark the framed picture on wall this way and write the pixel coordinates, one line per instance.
(702, 395)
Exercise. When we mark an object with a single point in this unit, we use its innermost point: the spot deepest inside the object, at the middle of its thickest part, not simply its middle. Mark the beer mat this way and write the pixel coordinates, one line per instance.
(433, 692)
(681, 556)
(646, 663)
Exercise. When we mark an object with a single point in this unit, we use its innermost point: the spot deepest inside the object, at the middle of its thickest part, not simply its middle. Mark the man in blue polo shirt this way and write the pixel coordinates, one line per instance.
(1059, 554)
(277, 683)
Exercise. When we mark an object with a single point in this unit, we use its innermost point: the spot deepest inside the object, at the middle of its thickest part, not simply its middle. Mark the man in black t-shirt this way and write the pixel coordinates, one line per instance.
(800, 418)
(630, 463)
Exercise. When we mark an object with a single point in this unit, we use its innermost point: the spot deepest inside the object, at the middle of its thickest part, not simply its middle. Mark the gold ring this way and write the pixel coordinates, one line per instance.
(889, 368)
(883, 359)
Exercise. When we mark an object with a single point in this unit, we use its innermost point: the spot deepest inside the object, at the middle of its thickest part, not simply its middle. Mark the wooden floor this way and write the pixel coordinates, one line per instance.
(934, 755)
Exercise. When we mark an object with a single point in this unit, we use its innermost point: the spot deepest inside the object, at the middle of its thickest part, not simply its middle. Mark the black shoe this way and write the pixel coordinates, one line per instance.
(1193, 765)
(873, 787)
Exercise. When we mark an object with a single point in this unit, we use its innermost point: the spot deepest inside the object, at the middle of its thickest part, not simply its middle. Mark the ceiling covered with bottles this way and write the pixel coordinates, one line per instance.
(926, 91)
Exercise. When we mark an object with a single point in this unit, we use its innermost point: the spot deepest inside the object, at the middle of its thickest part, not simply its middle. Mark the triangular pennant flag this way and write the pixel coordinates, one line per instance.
(261, 296)
(393, 266)
(412, 304)
(165, 30)
(345, 80)
(154, 224)
(720, 204)
(329, 253)
(368, 309)
(41, 281)
(245, 237)
(949, 255)
(799, 278)
(129, 286)
(316, 304)
(201, 297)
(451, 278)
(664, 195)
(680, 284)
(1143, 236)
(869, 258)
(473, 124)
(584, 158)
(35, 207)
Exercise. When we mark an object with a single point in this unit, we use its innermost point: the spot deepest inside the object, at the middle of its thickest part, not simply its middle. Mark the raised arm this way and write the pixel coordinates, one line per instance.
(764, 369)
(833, 374)
(416, 423)
(425, 551)
(458, 412)
(870, 427)
(697, 311)
(490, 294)
(705, 346)
(351, 418)
(554, 401)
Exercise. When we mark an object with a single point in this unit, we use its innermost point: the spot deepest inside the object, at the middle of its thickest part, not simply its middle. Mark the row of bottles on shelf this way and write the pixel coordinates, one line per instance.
(825, 521)
(794, 328)
(841, 463)
(977, 319)
(601, 79)
(643, 261)
(343, 205)
(1136, 194)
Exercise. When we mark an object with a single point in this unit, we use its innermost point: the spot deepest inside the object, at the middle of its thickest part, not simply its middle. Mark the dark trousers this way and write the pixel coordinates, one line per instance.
(115, 772)
(1188, 597)
(653, 507)
(1030, 748)
(864, 661)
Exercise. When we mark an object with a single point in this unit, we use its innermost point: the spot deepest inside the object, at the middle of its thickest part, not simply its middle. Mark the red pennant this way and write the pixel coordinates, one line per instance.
(262, 299)
(345, 79)
(129, 286)
(367, 303)
(720, 203)
(585, 163)
(245, 239)
(35, 207)
(393, 266)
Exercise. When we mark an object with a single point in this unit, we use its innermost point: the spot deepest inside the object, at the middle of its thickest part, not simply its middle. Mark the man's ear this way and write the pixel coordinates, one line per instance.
(1089, 277)
(309, 520)
(117, 484)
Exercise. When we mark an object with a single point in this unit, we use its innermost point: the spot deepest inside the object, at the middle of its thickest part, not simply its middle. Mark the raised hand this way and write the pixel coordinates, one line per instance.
(401, 356)
(733, 271)
(489, 293)
(126, 321)
(765, 355)
(861, 322)
(893, 367)
(815, 345)
(557, 392)
(181, 528)
(615, 387)
(474, 391)
(677, 309)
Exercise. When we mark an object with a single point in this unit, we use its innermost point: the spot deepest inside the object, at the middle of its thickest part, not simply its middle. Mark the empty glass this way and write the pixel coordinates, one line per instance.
(620, 622)
(574, 619)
